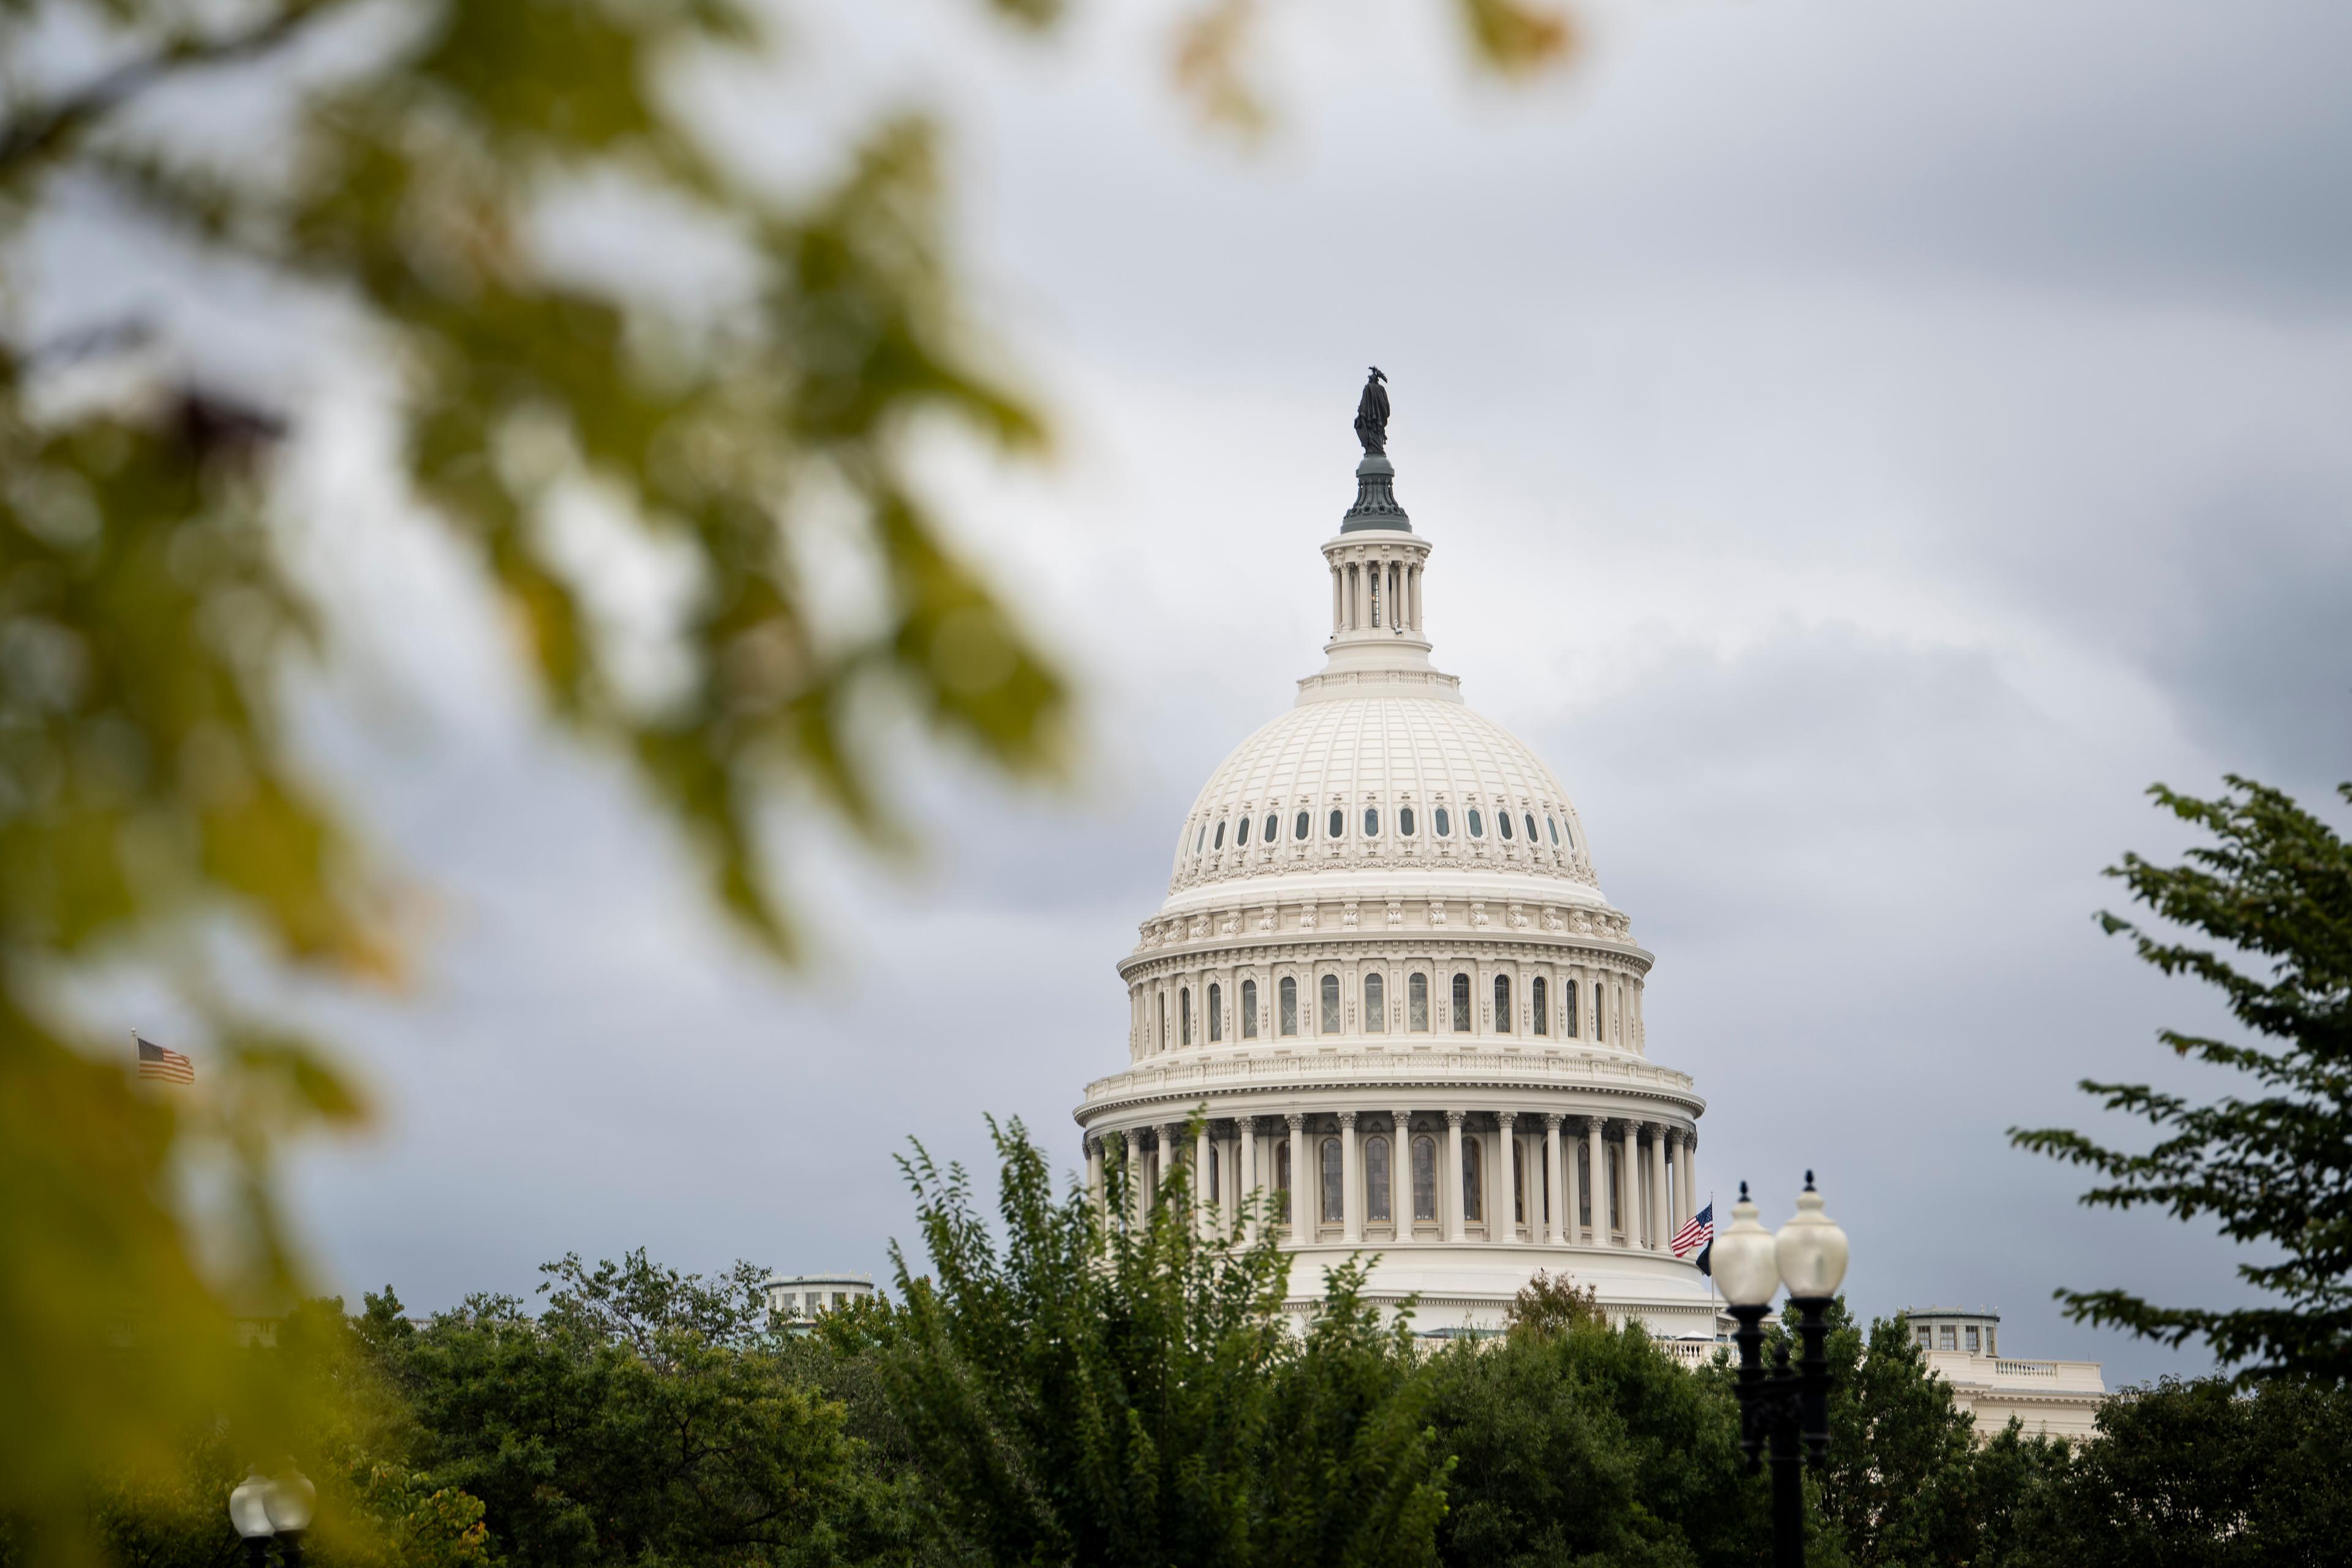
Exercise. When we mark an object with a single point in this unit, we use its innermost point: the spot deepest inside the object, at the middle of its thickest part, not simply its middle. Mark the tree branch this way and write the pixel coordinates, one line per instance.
(38, 134)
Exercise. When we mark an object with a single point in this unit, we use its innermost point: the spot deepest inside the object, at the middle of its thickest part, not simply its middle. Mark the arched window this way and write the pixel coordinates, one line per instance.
(1217, 1012)
(1424, 1178)
(1372, 822)
(1416, 1004)
(1530, 818)
(1281, 1177)
(1376, 1006)
(1220, 842)
(1377, 1184)
(1461, 1003)
(1477, 824)
(1249, 1009)
(1502, 821)
(1568, 1000)
(1335, 1184)
(1502, 1004)
(1267, 833)
(1289, 1004)
(1405, 822)
(1473, 1196)
(1241, 834)
(1330, 1019)
(1537, 1005)
(1444, 823)
(1184, 1012)
(1555, 830)
(1299, 828)
(1338, 822)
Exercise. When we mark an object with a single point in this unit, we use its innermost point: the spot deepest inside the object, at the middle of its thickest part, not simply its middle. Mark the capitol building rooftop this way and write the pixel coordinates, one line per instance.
(1387, 978)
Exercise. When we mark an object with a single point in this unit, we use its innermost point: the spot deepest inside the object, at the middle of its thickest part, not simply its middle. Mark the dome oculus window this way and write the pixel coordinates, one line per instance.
(1241, 835)
(1299, 830)
(1502, 820)
(1531, 820)
(1266, 834)
(1201, 840)
(1442, 822)
(1477, 824)
(1555, 831)
(1372, 822)
(1404, 821)
(1338, 822)
(1220, 843)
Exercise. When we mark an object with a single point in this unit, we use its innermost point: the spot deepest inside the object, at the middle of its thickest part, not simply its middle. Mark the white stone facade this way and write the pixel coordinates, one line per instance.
(1386, 972)
(2052, 1399)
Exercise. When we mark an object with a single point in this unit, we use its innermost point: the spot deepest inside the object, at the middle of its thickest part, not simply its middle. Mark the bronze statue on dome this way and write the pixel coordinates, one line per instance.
(1372, 415)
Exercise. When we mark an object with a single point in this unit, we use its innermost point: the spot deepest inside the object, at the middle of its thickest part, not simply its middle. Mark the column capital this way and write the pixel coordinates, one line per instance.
(1404, 1119)
(1454, 1118)
(1552, 1119)
(1347, 1120)
(1504, 1118)
(1244, 1125)
(1297, 1120)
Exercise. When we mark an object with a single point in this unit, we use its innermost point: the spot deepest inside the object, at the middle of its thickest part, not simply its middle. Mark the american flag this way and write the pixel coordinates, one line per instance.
(1697, 1234)
(156, 1062)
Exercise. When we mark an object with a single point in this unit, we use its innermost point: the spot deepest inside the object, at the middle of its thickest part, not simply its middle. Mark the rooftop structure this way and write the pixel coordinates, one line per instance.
(2055, 1398)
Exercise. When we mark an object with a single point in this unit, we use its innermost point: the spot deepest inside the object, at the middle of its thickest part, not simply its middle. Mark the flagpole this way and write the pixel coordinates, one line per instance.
(1714, 1313)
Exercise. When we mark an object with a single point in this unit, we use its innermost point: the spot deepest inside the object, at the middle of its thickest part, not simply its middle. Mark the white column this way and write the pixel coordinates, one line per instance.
(1401, 1173)
(1457, 1221)
(1696, 1194)
(1135, 1177)
(1554, 1186)
(1629, 1185)
(1095, 1176)
(1201, 1210)
(1246, 1182)
(1351, 1166)
(1657, 1188)
(1336, 622)
(1509, 1184)
(1298, 1179)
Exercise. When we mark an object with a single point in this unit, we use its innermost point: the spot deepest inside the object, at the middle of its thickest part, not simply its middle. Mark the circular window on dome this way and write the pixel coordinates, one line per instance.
(1404, 821)
(1372, 822)
(1477, 824)
(1444, 824)
(1201, 841)
(1241, 833)
(1338, 822)
(1568, 832)
(1266, 834)
(1299, 830)
(1555, 829)
(1219, 843)
(1532, 828)
(1502, 820)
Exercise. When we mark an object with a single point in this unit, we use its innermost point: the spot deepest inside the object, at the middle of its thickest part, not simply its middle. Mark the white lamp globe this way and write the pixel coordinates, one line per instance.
(1743, 1260)
(249, 1505)
(1811, 1250)
(291, 1499)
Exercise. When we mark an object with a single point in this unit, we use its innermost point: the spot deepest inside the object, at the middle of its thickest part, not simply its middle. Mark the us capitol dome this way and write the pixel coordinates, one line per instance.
(1386, 974)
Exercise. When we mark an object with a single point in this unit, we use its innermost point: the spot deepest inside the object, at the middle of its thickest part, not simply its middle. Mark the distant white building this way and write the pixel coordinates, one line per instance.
(2052, 1399)
(799, 1299)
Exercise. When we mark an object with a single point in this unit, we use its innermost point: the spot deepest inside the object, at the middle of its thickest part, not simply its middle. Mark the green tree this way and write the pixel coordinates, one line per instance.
(1131, 1390)
(2194, 1475)
(2274, 1168)
(151, 613)
(1578, 1442)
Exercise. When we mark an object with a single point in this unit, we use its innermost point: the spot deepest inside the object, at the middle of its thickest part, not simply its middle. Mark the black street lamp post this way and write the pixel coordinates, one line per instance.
(1783, 1411)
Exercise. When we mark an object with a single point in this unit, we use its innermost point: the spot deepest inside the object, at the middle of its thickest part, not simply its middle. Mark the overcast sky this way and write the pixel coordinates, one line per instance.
(1864, 447)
